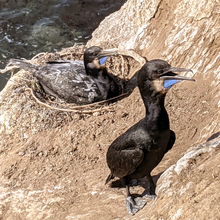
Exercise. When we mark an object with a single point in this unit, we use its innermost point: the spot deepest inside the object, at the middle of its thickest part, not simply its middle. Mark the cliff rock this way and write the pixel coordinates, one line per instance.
(53, 162)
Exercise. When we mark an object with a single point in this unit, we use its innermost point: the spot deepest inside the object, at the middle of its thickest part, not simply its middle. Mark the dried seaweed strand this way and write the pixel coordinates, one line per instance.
(122, 66)
(37, 55)
(62, 109)
(75, 110)
(97, 103)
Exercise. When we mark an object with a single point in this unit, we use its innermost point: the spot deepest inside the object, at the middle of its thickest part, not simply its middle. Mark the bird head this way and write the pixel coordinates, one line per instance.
(95, 57)
(161, 75)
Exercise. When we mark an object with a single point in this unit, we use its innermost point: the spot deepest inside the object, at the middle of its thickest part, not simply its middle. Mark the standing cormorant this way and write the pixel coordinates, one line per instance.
(74, 80)
(134, 154)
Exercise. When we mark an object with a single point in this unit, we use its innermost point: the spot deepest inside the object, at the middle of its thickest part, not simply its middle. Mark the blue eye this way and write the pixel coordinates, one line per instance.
(102, 60)
(169, 83)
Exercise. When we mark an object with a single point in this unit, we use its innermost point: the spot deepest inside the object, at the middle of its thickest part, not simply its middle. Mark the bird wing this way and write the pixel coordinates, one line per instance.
(69, 81)
(124, 155)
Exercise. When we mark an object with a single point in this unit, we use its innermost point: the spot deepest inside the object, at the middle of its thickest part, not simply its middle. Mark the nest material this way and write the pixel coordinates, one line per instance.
(72, 53)
(123, 65)
(120, 66)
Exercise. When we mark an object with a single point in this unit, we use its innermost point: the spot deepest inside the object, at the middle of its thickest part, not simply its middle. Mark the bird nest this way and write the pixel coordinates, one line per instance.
(122, 66)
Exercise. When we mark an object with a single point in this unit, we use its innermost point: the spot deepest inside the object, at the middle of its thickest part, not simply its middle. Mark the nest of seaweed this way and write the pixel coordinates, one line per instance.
(122, 66)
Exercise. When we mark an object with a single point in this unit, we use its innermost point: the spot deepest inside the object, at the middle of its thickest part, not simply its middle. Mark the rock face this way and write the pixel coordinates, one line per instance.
(53, 163)
(184, 33)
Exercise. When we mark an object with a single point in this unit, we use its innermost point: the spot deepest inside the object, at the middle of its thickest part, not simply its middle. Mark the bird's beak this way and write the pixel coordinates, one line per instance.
(104, 54)
(170, 78)
(175, 69)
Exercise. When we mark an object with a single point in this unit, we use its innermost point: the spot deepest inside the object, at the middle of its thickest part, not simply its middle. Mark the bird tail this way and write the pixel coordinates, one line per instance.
(22, 64)
(110, 177)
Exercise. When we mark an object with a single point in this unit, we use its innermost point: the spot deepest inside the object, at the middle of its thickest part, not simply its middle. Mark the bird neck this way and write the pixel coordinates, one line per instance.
(131, 84)
(91, 70)
(89, 67)
(156, 114)
(94, 68)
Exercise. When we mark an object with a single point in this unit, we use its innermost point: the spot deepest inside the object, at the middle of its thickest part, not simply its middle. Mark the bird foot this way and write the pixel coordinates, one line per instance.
(134, 205)
(149, 195)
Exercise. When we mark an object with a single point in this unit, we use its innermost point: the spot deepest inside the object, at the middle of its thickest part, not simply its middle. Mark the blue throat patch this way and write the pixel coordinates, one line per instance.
(102, 60)
(170, 82)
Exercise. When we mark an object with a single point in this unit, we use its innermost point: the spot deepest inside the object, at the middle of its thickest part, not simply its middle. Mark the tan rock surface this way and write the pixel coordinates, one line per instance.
(53, 163)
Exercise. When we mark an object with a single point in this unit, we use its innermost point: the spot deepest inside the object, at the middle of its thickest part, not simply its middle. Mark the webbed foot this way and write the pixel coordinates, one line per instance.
(134, 205)
(150, 197)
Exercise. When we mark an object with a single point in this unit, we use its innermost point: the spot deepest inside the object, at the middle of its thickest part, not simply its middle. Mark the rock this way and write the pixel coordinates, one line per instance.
(189, 189)
(51, 167)
(179, 33)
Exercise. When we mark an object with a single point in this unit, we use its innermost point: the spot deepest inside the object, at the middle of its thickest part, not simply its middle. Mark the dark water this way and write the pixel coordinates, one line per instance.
(28, 27)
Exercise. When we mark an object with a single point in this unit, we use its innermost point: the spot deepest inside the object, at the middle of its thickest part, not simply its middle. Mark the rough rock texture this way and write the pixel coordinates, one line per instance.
(184, 33)
(53, 163)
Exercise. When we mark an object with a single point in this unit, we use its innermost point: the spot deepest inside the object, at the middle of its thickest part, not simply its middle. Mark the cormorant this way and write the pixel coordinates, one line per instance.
(134, 154)
(74, 80)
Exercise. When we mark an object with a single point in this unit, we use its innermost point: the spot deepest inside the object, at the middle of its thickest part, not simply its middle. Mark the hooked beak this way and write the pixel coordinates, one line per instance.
(104, 54)
(171, 78)
(175, 69)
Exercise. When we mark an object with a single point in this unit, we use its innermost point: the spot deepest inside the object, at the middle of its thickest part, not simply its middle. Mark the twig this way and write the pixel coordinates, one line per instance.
(75, 108)
(37, 56)
(101, 102)
(8, 68)
(131, 53)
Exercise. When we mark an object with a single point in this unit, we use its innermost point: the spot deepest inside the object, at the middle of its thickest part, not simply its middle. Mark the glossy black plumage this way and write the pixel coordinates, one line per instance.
(77, 81)
(134, 154)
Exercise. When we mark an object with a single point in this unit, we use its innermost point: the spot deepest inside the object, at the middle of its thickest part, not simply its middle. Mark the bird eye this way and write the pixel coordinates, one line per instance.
(160, 71)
